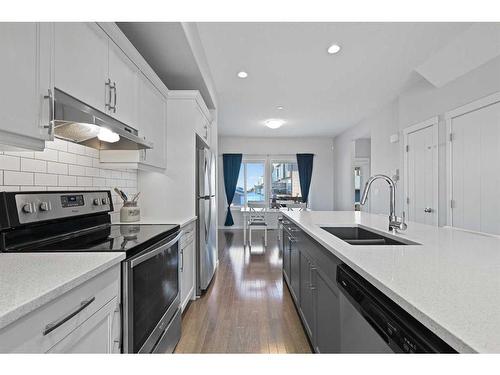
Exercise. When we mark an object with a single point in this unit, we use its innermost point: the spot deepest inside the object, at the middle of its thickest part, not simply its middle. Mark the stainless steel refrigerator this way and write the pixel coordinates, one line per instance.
(206, 211)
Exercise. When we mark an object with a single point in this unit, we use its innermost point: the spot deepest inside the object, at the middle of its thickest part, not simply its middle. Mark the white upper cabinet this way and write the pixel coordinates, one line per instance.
(123, 78)
(25, 74)
(81, 62)
(152, 111)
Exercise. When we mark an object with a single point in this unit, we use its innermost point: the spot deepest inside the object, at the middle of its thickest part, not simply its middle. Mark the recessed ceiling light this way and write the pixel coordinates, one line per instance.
(333, 49)
(242, 74)
(280, 107)
(274, 123)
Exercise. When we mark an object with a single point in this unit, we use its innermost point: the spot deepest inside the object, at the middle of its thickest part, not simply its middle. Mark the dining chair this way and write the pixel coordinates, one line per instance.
(300, 206)
(256, 220)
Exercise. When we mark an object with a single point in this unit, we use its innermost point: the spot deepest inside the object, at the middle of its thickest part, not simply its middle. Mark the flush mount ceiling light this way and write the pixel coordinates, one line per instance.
(333, 49)
(280, 107)
(107, 135)
(274, 123)
(242, 74)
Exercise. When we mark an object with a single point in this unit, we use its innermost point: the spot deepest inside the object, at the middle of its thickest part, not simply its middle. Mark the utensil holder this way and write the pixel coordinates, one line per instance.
(130, 212)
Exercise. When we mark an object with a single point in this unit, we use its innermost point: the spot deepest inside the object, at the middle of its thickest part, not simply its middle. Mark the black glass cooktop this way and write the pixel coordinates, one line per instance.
(130, 238)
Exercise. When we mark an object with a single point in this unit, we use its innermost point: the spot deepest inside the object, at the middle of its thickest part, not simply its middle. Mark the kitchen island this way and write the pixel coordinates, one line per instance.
(449, 281)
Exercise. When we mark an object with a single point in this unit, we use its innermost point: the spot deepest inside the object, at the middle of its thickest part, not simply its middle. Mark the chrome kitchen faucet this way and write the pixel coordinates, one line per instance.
(395, 222)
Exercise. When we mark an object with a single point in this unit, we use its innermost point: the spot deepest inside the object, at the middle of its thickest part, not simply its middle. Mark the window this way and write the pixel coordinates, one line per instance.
(285, 180)
(251, 185)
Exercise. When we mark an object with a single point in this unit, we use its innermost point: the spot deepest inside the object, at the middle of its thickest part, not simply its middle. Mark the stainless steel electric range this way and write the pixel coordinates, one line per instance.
(79, 221)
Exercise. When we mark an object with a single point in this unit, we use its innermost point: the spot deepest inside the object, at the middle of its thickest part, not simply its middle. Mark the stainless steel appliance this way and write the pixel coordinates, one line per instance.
(78, 122)
(372, 323)
(79, 221)
(206, 211)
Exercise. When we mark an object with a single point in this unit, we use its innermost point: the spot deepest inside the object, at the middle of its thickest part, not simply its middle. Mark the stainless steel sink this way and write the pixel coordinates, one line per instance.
(362, 236)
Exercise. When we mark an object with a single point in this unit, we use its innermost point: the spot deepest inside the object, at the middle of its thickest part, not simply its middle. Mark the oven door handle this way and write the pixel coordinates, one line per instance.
(142, 258)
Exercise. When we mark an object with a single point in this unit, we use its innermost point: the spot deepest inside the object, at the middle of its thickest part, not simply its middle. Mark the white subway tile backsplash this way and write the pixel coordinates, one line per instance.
(66, 157)
(57, 144)
(63, 166)
(67, 180)
(116, 174)
(17, 178)
(89, 151)
(47, 155)
(86, 161)
(98, 181)
(96, 163)
(76, 170)
(45, 179)
(84, 181)
(33, 188)
(93, 172)
(11, 163)
(33, 165)
(75, 148)
(105, 173)
(23, 154)
(9, 188)
(57, 168)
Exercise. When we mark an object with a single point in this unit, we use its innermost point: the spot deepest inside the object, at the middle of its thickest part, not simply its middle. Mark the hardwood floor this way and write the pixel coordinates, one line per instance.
(247, 309)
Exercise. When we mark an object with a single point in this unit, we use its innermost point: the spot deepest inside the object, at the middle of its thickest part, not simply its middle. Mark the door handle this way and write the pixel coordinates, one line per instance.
(428, 210)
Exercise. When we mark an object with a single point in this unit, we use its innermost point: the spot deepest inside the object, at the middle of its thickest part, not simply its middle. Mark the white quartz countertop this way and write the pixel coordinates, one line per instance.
(450, 283)
(183, 221)
(28, 281)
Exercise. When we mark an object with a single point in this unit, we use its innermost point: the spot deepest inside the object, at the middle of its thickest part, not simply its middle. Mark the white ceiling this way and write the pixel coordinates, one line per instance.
(323, 94)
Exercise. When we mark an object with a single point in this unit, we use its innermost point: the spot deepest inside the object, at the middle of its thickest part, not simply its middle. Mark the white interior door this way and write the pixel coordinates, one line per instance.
(421, 173)
(475, 172)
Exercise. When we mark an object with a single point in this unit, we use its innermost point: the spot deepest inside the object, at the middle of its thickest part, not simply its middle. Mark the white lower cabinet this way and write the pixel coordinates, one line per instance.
(98, 334)
(26, 77)
(84, 320)
(187, 264)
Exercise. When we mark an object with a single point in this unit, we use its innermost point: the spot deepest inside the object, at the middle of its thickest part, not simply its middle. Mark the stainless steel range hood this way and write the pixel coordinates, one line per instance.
(77, 122)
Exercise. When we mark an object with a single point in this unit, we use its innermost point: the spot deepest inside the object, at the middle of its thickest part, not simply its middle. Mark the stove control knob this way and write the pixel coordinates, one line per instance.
(97, 202)
(28, 208)
(104, 201)
(45, 206)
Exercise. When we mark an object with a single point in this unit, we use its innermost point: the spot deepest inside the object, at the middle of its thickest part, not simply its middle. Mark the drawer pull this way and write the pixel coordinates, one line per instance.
(52, 326)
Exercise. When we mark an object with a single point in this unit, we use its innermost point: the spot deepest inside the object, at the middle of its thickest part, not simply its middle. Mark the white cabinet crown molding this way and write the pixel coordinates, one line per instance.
(194, 95)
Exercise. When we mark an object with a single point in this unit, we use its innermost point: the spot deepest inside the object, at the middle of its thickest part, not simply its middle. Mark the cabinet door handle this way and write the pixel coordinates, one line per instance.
(311, 285)
(50, 124)
(182, 260)
(52, 326)
(107, 84)
(120, 339)
(114, 97)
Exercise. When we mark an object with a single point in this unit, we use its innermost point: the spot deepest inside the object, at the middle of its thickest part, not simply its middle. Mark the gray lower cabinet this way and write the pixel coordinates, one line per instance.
(294, 269)
(310, 272)
(286, 255)
(327, 316)
(307, 294)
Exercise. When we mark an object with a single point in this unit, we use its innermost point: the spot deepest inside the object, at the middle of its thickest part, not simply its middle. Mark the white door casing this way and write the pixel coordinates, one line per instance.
(421, 187)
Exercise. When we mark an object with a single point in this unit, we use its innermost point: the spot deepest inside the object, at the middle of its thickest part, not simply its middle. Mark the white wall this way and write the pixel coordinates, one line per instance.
(64, 166)
(321, 193)
(418, 103)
